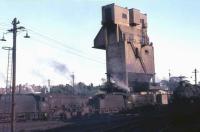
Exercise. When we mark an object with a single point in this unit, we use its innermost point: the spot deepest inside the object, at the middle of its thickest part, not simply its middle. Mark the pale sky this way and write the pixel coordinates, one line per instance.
(62, 32)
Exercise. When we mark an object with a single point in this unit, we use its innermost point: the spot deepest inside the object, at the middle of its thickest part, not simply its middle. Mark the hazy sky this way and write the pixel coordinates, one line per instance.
(62, 34)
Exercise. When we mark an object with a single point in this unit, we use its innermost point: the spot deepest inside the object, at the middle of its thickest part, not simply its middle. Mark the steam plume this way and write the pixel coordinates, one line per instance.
(2, 77)
(120, 84)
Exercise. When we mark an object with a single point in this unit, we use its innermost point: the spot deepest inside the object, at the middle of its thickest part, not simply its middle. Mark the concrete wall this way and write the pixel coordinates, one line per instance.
(116, 62)
(119, 15)
(134, 17)
(100, 39)
(129, 54)
(147, 53)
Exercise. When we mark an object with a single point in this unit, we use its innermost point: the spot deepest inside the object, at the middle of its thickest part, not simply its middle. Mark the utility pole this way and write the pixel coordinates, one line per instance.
(9, 71)
(195, 75)
(73, 81)
(49, 85)
(14, 31)
(169, 74)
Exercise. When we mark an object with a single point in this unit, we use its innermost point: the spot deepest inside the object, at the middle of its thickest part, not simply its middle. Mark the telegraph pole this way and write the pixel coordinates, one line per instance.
(73, 81)
(169, 74)
(14, 31)
(195, 75)
(49, 85)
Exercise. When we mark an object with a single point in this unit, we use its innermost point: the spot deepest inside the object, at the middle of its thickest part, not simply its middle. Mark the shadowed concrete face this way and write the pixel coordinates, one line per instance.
(24, 103)
(129, 54)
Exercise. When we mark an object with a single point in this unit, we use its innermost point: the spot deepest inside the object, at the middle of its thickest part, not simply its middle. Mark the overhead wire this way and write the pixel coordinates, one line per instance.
(61, 43)
(5, 25)
(51, 38)
(56, 44)
(68, 51)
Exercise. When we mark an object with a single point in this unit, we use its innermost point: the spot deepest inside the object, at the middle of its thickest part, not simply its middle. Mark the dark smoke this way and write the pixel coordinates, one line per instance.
(59, 68)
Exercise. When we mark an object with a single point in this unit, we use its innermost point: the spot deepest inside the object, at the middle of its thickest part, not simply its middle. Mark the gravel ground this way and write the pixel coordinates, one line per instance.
(33, 126)
(174, 118)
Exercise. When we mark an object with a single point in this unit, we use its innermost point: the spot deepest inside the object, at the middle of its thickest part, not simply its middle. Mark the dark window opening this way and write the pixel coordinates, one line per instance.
(124, 16)
(146, 52)
(136, 52)
(43, 99)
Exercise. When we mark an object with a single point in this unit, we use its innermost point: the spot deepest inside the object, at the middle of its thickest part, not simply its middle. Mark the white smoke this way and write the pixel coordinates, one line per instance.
(2, 79)
(123, 86)
(120, 84)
